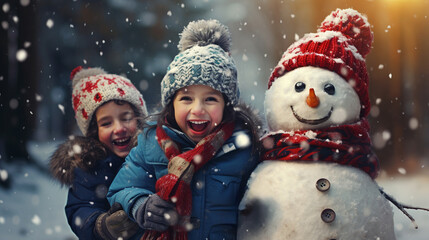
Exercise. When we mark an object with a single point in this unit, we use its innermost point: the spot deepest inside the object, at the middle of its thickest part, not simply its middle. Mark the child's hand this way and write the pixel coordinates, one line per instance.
(156, 214)
(115, 224)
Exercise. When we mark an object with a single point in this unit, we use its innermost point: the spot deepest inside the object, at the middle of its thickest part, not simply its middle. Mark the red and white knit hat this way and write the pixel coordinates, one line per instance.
(341, 43)
(93, 86)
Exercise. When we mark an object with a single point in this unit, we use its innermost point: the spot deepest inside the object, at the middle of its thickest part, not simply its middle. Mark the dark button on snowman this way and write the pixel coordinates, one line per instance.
(316, 107)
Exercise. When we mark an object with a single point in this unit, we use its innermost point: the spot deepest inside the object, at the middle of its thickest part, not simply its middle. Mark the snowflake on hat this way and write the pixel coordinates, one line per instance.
(93, 87)
(316, 107)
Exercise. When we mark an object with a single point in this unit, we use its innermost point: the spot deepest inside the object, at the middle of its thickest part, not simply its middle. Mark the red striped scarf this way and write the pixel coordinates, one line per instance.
(174, 186)
(345, 144)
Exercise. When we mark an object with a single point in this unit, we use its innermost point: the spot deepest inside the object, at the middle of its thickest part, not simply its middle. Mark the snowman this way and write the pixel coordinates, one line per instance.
(316, 177)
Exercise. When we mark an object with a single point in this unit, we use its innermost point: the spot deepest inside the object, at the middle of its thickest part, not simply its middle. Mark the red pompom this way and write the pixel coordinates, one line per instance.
(76, 70)
(351, 24)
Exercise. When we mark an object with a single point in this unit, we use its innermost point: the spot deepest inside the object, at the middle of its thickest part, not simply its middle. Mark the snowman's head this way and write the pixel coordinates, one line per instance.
(321, 79)
(310, 98)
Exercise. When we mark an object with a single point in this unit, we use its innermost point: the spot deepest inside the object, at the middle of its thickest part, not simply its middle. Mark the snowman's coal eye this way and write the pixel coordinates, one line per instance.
(299, 86)
(329, 89)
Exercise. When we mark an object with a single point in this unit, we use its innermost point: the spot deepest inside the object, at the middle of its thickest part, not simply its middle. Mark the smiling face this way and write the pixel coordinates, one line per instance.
(310, 98)
(116, 124)
(198, 109)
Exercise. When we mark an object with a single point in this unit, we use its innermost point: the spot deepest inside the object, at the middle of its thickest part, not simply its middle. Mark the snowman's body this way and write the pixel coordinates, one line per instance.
(283, 200)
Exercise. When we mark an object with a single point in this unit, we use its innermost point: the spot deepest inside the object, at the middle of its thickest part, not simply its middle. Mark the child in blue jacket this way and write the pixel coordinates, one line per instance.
(109, 111)
(188, 173)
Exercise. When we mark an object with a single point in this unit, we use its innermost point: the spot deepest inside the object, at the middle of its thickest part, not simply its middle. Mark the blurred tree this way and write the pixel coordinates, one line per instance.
(19, 75)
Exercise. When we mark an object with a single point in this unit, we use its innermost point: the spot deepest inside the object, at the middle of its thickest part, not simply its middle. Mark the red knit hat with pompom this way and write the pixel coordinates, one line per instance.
(341, 44)
(92, 87)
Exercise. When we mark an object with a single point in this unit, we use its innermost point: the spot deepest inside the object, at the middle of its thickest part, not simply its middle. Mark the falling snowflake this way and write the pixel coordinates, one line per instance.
(6, 7)
(24, 3)
(21, 55)
(61, 107)
(413, 123)
(242, 140)
(36, 220)
(402, 171)
(4, 175)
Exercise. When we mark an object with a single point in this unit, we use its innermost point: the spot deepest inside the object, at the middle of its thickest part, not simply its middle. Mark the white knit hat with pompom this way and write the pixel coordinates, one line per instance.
(204, 59)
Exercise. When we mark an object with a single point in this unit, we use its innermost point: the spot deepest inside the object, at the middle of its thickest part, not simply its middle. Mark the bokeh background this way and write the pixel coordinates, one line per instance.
(42, 41)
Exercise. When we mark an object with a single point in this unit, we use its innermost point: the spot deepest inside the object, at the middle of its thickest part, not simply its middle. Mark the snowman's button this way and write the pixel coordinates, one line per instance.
(323, 184)
(328, 215)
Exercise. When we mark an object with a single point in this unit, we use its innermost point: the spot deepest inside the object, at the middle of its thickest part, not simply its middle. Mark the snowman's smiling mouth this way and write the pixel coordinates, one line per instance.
(312, 121)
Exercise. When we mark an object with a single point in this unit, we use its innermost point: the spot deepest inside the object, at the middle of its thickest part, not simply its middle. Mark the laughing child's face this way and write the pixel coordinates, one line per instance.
(198, 109)
(116, 124)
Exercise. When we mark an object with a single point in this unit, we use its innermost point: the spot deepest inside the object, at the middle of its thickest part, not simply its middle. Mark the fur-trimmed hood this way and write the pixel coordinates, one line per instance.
(76, 152)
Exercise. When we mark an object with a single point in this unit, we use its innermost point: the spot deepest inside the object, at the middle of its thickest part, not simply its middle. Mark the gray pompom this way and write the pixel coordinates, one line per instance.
(203, 33)
(86, 72)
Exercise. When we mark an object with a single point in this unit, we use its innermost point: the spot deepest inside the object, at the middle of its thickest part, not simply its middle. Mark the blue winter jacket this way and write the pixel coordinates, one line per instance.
(87, 196)
(217, 187)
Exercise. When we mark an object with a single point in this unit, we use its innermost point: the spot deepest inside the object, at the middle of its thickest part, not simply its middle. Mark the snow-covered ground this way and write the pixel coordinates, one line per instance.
(34, 207)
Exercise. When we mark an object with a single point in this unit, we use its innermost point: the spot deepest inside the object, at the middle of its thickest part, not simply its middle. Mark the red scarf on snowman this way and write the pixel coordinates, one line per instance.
(344, 144)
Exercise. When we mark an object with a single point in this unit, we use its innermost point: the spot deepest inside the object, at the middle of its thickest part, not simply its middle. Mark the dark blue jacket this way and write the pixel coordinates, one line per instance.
(87, 195)
(217, 187)
(88, 168)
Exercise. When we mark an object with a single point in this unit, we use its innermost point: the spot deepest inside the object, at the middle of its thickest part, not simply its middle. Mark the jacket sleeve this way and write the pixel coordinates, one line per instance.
(83, 205)
(136, 179)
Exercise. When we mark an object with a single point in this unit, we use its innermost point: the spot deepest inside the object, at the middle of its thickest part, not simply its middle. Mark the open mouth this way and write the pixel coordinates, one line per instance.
(312, 121)
(198, 126)
(122, 141)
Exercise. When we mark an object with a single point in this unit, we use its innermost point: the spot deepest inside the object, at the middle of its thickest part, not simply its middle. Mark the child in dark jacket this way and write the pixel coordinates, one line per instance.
(109, 112)
(188, 173)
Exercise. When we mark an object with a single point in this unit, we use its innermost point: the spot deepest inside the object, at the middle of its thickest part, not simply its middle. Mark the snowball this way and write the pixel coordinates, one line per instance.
(169, 13)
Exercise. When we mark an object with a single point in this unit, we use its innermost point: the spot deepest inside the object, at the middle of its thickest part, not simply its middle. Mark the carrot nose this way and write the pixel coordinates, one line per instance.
(312, 99)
